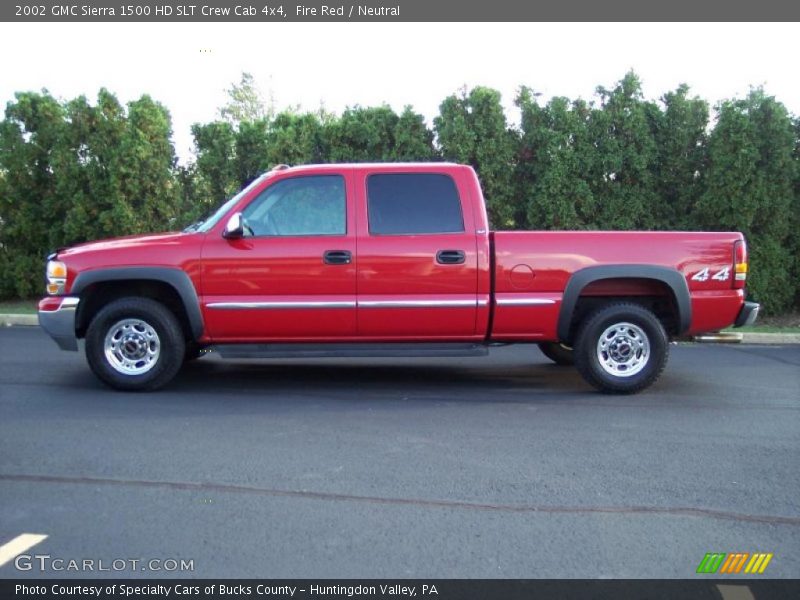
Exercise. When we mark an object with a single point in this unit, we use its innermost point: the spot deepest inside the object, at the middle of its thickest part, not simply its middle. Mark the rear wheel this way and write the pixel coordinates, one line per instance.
(135, 344)
(559, 353)
(622, 348)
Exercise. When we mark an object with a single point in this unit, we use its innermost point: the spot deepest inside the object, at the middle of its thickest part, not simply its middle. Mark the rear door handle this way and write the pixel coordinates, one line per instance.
(337, 257)
(451, 257)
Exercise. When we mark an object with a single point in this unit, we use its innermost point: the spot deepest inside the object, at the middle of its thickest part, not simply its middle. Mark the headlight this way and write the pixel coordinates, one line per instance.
(56, 277)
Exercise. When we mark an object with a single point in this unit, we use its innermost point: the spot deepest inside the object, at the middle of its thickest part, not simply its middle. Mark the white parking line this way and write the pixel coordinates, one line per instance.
(735, 592)
(18, 545)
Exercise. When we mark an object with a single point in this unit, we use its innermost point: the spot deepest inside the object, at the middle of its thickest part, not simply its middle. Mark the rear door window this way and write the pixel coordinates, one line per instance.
(413, 203)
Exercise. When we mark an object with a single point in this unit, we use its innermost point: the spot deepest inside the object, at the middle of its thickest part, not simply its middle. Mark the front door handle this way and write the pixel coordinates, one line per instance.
(451, 257)
(337, 257)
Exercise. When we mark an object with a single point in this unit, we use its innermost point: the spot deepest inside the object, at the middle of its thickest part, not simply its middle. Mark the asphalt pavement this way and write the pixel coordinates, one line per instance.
(502, 466)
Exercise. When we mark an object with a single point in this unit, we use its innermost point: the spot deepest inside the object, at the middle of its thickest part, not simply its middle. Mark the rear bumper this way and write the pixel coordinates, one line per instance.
(60, 323)
(748, 314)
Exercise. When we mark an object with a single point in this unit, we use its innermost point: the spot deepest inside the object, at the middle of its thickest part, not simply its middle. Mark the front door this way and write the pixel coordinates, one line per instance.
(292, 277)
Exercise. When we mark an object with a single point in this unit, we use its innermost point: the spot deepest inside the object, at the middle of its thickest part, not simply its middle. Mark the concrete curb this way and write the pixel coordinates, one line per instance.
(770, 338)
(7, 320)
(28, 320)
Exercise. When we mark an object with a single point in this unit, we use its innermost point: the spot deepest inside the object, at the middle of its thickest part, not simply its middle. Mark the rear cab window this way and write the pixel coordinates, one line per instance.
(413, 203)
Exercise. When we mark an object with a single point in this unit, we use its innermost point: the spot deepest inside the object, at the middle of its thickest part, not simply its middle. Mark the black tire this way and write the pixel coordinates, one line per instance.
(559, 353)
(630, 359)
(144, 326)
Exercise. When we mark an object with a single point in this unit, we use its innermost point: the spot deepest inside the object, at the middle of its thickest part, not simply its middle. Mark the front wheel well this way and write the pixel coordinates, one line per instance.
(98, 295)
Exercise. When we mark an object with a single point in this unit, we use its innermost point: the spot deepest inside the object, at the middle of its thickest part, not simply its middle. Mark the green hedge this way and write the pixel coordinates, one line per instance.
(75, 171)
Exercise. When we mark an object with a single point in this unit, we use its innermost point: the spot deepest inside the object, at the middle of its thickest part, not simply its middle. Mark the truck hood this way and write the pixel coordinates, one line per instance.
(125, 242)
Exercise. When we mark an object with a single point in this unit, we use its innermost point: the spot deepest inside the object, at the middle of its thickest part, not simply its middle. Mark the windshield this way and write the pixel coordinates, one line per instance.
(206, 224)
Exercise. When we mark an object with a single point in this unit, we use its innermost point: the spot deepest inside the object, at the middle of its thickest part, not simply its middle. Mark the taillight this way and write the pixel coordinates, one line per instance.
(739, 264)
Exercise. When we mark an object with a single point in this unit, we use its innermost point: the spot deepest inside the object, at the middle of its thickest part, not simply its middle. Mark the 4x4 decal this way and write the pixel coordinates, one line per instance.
(705, 275)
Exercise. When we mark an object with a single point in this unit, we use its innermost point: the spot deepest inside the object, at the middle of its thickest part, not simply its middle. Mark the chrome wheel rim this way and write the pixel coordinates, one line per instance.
(623, 350)
(132, 347)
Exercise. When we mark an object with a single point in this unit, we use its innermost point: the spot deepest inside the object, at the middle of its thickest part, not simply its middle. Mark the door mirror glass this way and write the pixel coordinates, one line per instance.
(234, 228)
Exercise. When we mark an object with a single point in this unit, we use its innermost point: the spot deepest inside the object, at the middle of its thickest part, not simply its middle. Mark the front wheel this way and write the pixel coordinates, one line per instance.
(135, 344)
(621, 348)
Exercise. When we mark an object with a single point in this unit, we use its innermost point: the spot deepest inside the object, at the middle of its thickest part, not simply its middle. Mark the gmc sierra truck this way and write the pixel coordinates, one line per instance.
(387, 260)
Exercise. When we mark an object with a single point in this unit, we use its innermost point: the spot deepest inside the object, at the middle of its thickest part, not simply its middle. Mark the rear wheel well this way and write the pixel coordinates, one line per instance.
(99, 294)
(652, 294)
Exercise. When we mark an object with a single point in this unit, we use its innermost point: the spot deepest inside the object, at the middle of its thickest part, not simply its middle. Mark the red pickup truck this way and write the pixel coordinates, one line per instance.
(387, 260)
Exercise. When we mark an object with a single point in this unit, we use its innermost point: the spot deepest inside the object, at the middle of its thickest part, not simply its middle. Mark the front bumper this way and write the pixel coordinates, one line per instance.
(60, 323)
(748, 314)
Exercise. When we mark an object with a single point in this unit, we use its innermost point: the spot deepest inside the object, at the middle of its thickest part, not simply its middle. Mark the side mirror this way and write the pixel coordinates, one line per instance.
(234, 228)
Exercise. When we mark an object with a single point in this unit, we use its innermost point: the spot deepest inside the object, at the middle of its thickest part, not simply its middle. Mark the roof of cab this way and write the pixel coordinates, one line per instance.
(373, 166)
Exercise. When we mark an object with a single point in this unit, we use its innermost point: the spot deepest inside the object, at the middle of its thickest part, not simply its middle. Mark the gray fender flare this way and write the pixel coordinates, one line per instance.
(176, 278)
(672, 278)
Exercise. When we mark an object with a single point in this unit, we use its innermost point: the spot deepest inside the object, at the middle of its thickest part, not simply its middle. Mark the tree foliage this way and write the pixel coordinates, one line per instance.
(413, 141)
(77, 170)
(626, 154)
(751, 179)
(556, 159)
(245, 102)
(472, 128)
(297, 139)
(681, 145)
(31, 213)
(215, 147)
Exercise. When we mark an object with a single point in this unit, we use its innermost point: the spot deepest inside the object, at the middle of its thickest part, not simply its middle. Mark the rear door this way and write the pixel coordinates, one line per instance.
(417, 255)
(292, 276)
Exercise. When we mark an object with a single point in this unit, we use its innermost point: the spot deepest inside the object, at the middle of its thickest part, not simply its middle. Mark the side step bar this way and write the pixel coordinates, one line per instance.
(368, 350)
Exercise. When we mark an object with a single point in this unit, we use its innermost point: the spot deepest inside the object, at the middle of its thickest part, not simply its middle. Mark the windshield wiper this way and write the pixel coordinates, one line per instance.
(194, 226)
